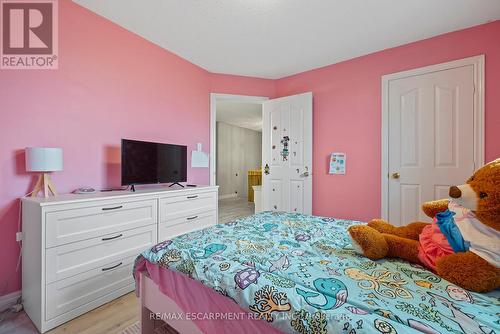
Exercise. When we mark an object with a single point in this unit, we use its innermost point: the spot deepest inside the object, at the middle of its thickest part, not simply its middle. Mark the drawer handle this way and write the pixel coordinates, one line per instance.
(191, 197)
(191, 218)
(113, 267)
(113, 208)
(111, 238)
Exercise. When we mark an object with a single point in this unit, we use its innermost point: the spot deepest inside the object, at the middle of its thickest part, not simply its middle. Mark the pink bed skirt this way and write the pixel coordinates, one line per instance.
(200, 303)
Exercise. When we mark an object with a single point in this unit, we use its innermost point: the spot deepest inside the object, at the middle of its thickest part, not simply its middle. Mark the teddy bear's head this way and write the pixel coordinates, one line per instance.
(481, 194)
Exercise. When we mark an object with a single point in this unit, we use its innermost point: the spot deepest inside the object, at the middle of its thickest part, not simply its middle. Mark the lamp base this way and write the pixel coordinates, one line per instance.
(44, 182)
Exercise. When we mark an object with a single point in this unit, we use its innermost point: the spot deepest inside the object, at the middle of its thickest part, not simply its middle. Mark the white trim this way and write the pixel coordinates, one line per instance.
(478, 63)
(214, 97)
(9, 300)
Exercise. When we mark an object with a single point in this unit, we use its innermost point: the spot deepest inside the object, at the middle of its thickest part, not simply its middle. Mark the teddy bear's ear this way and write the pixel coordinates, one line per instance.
(495, 163)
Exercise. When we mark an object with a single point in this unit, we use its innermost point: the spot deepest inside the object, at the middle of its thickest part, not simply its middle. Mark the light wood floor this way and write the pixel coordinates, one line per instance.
(111, 318)
(117, 315)
(234, 208)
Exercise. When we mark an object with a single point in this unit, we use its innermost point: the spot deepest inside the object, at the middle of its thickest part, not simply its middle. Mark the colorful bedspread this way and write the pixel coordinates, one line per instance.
(300, 274)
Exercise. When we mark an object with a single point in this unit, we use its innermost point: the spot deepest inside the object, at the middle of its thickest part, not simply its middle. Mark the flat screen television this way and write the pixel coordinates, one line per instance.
(153, 163)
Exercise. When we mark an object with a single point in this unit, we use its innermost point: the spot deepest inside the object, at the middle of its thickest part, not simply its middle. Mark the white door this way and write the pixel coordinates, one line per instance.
(431, 139)
(287, 154)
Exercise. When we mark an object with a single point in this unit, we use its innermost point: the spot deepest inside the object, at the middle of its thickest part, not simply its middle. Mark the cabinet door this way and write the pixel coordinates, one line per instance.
(78, 257)
(187, 205)
(76, 291)
(80, 221)
(186, 224)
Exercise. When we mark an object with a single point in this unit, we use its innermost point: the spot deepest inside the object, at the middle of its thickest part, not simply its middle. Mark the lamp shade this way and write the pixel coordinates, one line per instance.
(44, 159)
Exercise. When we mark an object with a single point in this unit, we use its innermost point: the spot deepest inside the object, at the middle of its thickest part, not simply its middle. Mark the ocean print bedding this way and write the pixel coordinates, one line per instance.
(300, 274)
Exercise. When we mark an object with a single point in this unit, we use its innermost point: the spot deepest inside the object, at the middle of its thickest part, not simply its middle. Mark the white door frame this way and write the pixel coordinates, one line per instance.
(214, 97)
(478, 64)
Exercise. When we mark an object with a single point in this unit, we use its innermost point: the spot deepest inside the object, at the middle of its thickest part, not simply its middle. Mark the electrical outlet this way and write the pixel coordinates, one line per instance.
(19, 236)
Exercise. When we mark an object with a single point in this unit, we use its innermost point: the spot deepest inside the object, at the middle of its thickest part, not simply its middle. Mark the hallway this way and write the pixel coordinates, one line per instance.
(234, 208)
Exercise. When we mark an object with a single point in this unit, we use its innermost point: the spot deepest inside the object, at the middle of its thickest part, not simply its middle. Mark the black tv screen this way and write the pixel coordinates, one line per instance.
(151, 163)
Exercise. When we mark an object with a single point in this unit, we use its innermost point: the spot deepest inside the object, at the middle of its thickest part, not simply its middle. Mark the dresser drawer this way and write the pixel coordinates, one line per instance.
(72, 259)
(95, 219)
(181, 206)
(73, 292)
(186, 224)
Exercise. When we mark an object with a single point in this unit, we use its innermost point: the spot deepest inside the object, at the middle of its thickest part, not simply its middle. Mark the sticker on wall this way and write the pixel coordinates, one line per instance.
(284, 152)
(337, 163)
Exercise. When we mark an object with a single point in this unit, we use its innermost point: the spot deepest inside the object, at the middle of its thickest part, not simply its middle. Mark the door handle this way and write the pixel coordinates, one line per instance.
(396, 175)
(305, 174)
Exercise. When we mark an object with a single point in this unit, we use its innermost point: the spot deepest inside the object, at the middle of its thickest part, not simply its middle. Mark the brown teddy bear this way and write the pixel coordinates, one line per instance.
(462, 245)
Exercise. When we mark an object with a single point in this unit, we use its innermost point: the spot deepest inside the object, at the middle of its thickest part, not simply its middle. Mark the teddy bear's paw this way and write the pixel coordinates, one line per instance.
(410, 231)
(381, 225)
(368, 241)
(469, 271)
(431, 209)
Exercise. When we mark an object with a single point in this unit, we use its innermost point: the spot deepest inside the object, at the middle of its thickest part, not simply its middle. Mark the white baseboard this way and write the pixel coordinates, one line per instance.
(9, 300)
(228, 196)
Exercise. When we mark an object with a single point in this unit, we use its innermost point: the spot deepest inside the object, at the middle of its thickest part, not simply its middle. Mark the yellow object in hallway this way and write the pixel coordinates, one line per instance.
(254, 179)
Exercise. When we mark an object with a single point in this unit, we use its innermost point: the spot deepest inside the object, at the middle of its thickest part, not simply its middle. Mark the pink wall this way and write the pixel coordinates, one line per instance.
(347, 113)
(110, 84)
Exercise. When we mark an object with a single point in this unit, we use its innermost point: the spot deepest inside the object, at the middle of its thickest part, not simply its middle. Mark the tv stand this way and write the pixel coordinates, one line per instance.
(143, 219)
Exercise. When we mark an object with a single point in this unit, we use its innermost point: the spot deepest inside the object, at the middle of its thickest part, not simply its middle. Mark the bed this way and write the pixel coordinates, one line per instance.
(292, 273)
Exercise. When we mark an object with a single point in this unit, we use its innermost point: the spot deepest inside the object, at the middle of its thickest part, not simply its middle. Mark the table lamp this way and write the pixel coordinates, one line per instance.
(44, 160)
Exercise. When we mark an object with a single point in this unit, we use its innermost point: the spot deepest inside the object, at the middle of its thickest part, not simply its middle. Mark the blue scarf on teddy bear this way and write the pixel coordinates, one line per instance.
(446, 224)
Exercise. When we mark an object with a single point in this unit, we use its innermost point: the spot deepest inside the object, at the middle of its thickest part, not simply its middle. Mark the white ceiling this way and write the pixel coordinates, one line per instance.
(277, 38)
(244, 115)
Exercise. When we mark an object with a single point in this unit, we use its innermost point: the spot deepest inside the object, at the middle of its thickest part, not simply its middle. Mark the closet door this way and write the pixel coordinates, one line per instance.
(431, 139)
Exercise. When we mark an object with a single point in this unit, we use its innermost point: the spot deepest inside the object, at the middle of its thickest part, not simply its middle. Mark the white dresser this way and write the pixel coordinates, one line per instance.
(79, 250)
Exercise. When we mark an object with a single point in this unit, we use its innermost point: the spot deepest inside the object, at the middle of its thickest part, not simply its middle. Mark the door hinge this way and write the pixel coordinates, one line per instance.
(474, 88)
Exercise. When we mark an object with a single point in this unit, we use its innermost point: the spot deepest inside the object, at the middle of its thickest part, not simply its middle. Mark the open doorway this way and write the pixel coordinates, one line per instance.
(236, 146)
